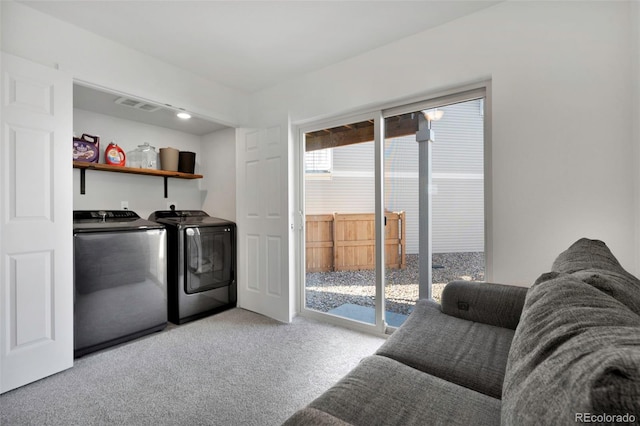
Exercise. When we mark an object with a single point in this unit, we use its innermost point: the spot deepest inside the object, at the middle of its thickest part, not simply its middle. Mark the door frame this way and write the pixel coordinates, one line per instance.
(465, 92)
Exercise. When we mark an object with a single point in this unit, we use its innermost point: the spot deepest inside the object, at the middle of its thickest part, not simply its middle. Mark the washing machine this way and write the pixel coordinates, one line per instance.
(120, 278)
(201, 263)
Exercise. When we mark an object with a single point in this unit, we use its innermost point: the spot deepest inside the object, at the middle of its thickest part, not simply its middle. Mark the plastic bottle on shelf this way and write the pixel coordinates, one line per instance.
(114, 155)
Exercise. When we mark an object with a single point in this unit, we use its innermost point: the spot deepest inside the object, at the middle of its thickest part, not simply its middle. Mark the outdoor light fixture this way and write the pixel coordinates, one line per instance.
(433, 114)
(425, 133)
(184, 115)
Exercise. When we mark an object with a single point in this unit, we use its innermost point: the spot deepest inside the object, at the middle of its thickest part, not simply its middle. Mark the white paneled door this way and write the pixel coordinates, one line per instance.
(36, 248)
(263, 224)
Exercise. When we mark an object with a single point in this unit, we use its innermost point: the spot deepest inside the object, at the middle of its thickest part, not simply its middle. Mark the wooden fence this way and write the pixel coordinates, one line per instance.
(346, 242)
(319, 243)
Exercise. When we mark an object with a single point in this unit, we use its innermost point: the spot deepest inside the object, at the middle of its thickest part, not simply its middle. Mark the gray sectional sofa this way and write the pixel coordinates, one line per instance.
(565, 351)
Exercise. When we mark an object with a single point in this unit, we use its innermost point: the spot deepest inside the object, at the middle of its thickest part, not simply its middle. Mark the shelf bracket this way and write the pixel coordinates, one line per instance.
(166, 182)
(82, 181)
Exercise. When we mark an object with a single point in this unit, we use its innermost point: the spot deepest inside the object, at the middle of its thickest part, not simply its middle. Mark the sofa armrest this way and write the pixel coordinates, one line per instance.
(488, 303)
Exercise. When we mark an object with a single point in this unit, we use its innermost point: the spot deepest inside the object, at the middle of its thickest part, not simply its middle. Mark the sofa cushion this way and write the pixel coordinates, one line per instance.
(381, 391)
(586, 254)
(592, 262)
(576, 350)
(467, 353)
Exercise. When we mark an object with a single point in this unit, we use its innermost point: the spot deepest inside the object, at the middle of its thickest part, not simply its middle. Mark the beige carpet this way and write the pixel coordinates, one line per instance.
(234, 368)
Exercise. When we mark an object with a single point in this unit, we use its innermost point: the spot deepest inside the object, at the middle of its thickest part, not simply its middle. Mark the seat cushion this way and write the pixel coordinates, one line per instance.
(467, 353)
(576, 350)
(381, 391)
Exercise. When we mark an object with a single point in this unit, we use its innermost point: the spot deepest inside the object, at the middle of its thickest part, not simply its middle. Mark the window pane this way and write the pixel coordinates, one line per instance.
(340, 217)
(319, 161)
(456, 199)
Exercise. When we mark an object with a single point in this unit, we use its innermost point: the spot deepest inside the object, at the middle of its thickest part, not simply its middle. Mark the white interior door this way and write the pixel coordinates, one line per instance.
(36, 249)
(263, 224)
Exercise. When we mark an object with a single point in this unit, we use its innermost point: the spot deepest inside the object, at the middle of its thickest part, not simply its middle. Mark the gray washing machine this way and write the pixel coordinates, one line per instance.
(120, 278)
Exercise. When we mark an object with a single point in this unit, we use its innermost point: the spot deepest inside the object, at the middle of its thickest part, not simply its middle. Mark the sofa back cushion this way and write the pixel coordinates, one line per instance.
(586, 254)
(576, 350)
(592, 262)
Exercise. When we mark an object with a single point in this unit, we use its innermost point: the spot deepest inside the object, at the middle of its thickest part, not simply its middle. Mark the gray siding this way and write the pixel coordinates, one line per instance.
(458, 186)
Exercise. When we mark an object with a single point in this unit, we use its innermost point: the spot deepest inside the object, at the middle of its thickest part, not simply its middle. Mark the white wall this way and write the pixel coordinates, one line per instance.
(561, 89)
(145, 194)
(90, 58)
(219, 170)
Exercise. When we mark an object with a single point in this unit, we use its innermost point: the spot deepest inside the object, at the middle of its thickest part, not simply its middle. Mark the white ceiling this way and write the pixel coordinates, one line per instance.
(251, 45)
(101, 102)
(245, 45)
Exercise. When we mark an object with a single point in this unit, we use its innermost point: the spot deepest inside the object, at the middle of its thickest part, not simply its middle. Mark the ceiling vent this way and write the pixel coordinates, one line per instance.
(137, 104)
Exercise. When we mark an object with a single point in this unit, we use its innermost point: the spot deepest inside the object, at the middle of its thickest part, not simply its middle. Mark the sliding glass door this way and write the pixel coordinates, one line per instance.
(393, 208)
(434, 183)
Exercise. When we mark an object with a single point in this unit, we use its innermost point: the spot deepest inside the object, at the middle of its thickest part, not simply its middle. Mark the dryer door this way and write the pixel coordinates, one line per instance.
(208, 258)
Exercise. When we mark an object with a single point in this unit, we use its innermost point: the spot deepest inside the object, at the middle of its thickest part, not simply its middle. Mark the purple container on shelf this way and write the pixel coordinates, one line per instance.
(86, 148)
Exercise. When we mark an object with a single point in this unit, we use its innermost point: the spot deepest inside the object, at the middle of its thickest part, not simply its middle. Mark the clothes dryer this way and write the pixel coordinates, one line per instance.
(201, 263)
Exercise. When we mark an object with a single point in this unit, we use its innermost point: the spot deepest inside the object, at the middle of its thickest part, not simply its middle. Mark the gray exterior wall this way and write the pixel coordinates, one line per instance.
(458, 181)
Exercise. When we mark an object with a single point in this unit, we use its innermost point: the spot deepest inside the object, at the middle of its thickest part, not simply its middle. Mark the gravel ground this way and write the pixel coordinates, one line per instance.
(328, 290)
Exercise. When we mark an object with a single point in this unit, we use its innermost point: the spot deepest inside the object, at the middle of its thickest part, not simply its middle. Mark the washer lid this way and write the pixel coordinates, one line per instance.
(187, 218)
(110, 220)
(177, 214)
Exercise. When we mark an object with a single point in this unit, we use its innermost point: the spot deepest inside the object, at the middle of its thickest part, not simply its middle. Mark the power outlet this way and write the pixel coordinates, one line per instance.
(124, 205)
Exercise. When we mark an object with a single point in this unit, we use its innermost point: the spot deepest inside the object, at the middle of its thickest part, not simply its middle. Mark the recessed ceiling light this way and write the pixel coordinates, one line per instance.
(184, 115)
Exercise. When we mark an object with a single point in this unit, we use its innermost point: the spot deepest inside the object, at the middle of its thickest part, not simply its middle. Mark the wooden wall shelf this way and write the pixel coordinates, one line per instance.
(83, 166)
(133, 170)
